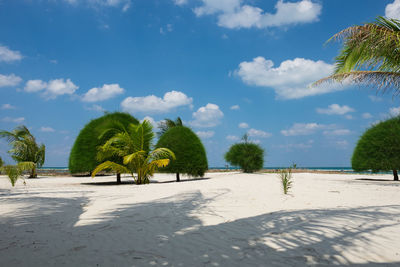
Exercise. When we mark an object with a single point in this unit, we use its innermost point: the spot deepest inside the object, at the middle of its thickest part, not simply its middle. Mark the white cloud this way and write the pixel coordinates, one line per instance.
(205, 134)
(349, 117)
(154, 104)
(15, 120)
(305, 129)
(235, 107)
(258, 133)
(338, 132)
(335, 109)
(7, 106)
(367, 115)
(393, 10)
(51, 89)
(169, 28)
(243, 125)
(232, 14)
(105, 92)
(341, 144)
(9, 80)
(47, 129)
(394, 112)
(207, 116)
(291, 79)
(96, 108)
(8, 55)
(180, 2)
(123, 4)
(232, 138)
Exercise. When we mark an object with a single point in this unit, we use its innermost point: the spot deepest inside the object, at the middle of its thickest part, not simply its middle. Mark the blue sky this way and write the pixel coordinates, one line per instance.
(225, 67)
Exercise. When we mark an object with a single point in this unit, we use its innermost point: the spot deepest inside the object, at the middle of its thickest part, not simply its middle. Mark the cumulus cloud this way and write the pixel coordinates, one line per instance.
(366, 115)
(7, 106)
(47, 129)
(235, 107)
(51, 89)
(205, 134)
(290, 80)
(243, 125)
(335, 109)
(207, 116)
(393, 10)
(233, 14)
(180, 2)
(154, 104)
(394, 112)
(8, 55)
(14, 120)
(305, 129)
(105, 92)
(232, 138)
(123, 4)
(9, 80)
(258, 133)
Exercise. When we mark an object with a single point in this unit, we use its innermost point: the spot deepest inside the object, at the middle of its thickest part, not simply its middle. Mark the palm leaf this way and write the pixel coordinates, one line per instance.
(110, 165)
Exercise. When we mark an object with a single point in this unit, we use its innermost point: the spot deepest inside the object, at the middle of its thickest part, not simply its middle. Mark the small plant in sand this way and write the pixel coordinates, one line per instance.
(15, 172)
(286, 179)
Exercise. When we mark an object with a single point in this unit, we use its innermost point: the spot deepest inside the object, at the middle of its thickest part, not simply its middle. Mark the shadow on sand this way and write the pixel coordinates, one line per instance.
(131, 181)
(53, 232)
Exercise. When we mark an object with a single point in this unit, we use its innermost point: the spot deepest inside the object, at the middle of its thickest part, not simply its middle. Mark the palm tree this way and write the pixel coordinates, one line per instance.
(370, 55)
(133, 144)
(15, 172)
(25, 148)
(166, 124)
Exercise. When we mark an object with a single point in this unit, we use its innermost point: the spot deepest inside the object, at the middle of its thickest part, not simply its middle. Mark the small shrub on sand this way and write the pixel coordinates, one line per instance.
(286, 179)
(15, 172)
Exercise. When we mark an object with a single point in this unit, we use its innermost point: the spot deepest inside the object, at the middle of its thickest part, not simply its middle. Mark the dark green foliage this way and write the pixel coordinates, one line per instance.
(379, 148)
(1, 162)
(191, 158)
(83, 156)
(248, 156)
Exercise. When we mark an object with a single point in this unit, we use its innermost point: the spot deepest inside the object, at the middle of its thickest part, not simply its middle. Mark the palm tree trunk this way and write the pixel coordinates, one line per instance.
(118, 178)
(395, 175)
(178, 179)
(33, 173)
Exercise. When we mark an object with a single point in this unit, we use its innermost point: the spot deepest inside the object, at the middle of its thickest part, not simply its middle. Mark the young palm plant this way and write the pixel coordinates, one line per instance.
(285, 176)
(370, 55)
(133, 144)
(15, 172)
(25, 148)
(167, 124)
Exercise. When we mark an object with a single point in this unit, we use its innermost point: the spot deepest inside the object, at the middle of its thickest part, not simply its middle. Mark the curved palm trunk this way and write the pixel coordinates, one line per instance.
(118, 178)
(178, 179)
(395, 175)
(33, 173)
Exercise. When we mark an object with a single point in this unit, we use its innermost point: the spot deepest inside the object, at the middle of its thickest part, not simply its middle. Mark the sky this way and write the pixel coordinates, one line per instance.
(226, 67)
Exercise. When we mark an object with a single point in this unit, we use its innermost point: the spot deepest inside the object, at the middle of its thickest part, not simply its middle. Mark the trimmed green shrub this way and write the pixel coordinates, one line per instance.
(378, 149)
(191, 158)
(248, 156)
(83, 156)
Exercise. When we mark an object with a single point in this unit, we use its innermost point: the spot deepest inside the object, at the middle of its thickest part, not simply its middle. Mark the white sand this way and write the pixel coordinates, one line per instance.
(231, 219)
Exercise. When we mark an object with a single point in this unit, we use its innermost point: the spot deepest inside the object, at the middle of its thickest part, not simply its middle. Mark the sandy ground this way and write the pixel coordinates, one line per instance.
(227, 219)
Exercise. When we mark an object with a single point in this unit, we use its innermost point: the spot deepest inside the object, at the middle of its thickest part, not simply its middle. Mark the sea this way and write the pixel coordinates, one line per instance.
(333, 169)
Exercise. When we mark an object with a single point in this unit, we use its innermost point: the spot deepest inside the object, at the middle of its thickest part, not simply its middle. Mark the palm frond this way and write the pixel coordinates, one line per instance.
(110, 165)
(162, 153)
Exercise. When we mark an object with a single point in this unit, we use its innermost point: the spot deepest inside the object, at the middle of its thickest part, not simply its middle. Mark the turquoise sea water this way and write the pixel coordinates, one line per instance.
(340, 169)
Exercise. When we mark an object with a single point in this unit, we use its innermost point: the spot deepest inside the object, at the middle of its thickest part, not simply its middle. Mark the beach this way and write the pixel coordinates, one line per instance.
(225, 219)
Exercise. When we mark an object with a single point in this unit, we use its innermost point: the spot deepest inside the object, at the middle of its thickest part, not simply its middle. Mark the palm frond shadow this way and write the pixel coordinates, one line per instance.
(171, 232)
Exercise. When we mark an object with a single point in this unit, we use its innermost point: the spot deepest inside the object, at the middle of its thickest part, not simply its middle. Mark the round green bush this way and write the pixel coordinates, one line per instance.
(378, 149)
(191, 158)
(82, 159)
(248, 156)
